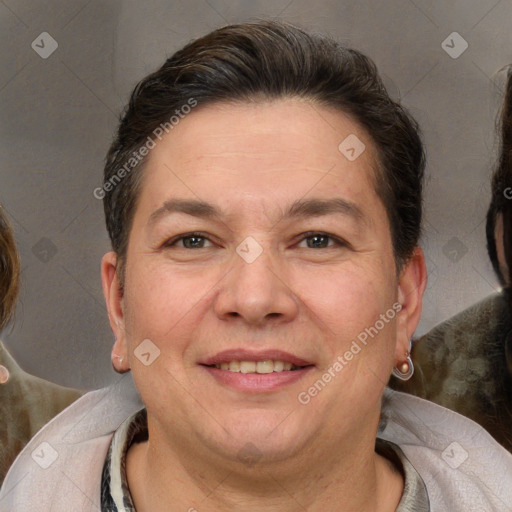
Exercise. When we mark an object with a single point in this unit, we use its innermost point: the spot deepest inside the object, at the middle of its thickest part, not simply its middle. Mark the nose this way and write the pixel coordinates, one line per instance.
(257, 291)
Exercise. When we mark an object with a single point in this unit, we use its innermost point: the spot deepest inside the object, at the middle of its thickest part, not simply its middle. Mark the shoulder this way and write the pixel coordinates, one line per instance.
(60, 468)
(462, 466)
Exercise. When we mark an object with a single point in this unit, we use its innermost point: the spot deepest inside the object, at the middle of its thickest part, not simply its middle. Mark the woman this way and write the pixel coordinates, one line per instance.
(263, 199)
(27, 402)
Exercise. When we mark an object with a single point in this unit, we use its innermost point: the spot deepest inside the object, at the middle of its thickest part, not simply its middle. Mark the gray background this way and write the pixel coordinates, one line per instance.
(58, 116)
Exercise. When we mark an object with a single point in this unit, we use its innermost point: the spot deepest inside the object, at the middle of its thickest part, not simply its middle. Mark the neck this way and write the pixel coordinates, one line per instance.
(339, 480)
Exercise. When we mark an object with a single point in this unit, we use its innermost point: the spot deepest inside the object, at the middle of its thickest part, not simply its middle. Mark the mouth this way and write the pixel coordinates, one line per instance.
(255, 372)
(250, 361)
(260, 367)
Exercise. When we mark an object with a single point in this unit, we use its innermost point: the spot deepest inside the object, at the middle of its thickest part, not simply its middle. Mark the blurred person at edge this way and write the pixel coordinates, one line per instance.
(465, 363)
(252, 246)
(26, 402)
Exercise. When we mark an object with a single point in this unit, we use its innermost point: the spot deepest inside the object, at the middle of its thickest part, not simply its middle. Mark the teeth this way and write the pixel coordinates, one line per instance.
(278, 366)
(247, 366)
(268, 366)
(264, 366)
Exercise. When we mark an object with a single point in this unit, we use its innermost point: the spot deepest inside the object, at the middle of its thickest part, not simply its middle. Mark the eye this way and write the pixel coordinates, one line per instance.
(316, 240)
(194, 242)
(189, 241)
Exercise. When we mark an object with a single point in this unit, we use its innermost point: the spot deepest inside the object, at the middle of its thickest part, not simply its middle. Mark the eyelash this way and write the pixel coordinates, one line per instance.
(304, 236)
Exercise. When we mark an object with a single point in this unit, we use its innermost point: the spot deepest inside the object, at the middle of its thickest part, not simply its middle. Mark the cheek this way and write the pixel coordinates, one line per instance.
(160, 301)
(348, 299)
(347, 306)
(162, 307)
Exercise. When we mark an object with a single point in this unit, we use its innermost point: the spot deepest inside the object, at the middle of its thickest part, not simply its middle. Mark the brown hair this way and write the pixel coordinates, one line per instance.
(271, 60)
(9, 271)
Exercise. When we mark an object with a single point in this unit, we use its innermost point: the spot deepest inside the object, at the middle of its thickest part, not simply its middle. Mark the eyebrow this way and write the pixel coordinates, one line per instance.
(189, 207)
(319, 207)
(302, 208)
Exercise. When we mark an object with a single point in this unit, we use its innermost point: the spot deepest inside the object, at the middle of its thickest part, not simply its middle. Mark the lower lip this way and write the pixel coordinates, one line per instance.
(257, 382)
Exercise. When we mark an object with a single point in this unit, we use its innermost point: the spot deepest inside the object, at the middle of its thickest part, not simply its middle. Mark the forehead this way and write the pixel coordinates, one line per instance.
(264, 152)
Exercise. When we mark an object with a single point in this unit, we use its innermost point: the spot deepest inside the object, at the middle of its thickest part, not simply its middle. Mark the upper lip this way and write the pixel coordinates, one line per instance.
(250, 355)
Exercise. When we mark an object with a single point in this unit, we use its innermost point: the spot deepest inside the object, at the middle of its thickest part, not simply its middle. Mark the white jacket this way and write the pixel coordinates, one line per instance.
(463, 468)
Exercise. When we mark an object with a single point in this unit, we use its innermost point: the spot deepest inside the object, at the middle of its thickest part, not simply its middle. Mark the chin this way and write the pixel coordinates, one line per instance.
(275, 434)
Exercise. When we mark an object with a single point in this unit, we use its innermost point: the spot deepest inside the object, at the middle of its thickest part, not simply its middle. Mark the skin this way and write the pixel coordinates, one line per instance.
(252, 161)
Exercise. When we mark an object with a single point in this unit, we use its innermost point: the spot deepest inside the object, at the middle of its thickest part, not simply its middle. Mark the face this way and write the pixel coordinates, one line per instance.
(257, 245)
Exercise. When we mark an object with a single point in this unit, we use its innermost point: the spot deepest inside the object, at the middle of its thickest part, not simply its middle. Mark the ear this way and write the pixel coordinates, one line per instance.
(113, 294)
(411, 286)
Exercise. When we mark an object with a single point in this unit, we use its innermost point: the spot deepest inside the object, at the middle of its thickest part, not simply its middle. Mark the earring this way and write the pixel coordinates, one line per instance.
(406, 370)
(118, 364)
(4, 374)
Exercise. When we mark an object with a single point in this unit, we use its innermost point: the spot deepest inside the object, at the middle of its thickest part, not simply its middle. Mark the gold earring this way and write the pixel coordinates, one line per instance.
(406, 369)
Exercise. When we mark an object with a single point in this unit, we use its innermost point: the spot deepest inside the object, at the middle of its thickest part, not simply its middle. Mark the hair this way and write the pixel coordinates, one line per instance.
(268, 60)
(501, 182)
(9, 271)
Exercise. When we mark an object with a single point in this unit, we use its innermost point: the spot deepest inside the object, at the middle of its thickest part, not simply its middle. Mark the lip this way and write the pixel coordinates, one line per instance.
(248, 355)
(256, 382)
